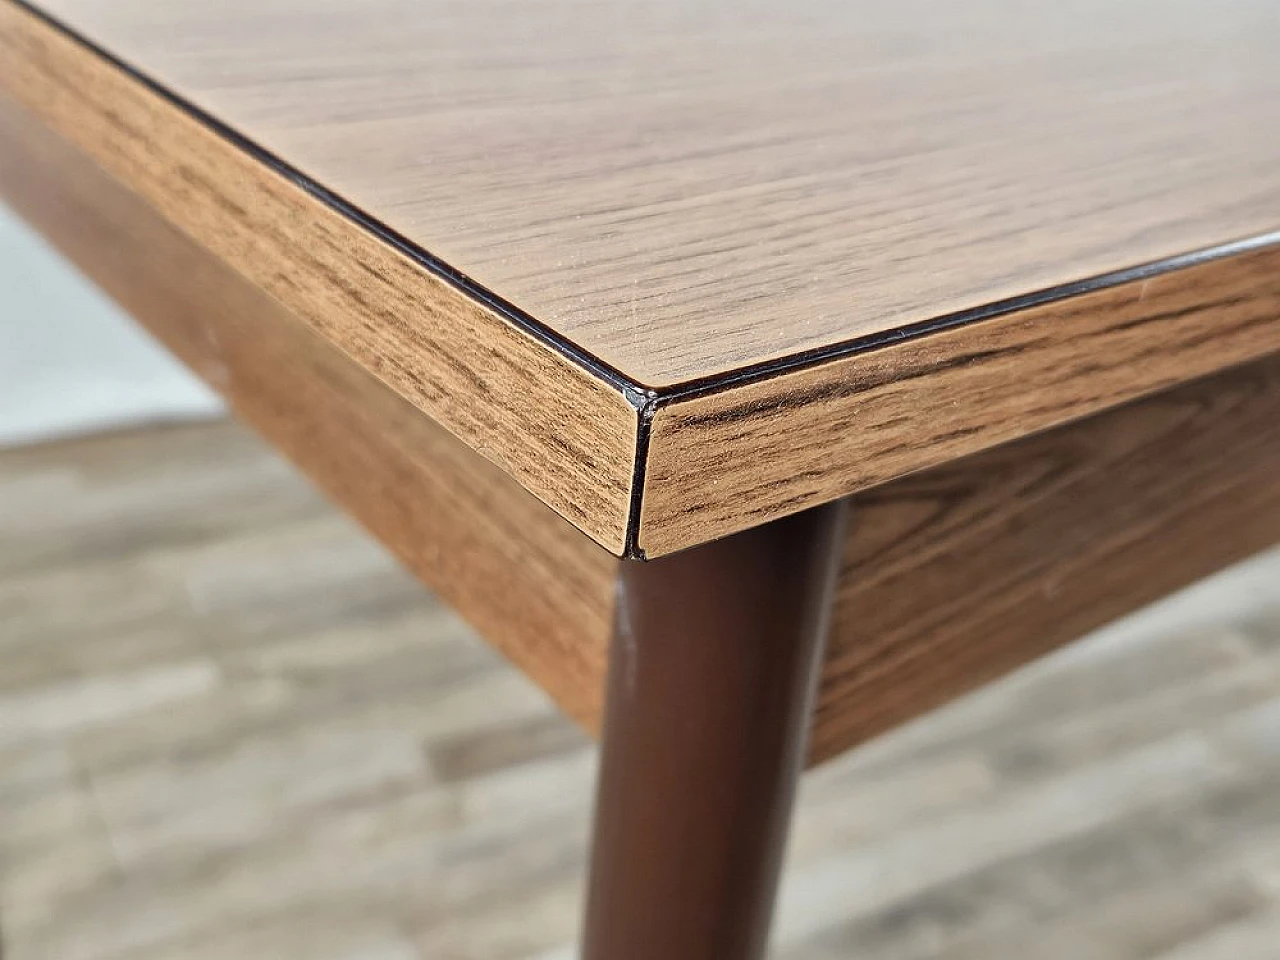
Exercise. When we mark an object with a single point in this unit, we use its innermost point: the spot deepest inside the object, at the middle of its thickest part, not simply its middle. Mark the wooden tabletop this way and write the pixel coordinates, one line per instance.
(681, 268)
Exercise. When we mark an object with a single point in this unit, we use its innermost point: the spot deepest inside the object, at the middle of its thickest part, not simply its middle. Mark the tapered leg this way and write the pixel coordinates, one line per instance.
(711, 676)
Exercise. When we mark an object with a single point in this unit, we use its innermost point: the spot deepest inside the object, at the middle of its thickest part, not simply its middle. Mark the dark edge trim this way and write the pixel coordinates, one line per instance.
(791, 363)
(644, 423)
(647, 400)
(635, 393)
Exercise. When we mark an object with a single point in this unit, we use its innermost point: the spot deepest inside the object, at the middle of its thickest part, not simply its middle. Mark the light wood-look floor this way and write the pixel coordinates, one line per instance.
(231, 727)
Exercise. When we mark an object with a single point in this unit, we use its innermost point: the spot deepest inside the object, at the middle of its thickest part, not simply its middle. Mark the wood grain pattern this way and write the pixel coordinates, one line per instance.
(530, 583)
(956, 576)
(725, 462)
(558, 429)
(684, 188)
(823, 174)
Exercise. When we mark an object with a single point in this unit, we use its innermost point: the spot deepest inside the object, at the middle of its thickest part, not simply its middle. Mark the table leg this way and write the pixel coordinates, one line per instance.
(711, 675)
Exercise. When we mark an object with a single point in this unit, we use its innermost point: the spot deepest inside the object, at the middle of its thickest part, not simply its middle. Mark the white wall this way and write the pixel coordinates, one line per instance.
(70, 360)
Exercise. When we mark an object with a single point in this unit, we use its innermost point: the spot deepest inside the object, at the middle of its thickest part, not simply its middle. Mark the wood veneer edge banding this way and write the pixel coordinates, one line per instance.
(801, 362)
(692, 495)
(642, 399)
(558, 427)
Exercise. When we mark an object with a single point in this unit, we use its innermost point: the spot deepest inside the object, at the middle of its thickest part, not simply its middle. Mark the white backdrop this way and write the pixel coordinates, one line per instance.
(70, 360)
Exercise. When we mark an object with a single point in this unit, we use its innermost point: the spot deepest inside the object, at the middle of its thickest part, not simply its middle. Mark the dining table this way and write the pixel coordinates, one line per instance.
(756, 377)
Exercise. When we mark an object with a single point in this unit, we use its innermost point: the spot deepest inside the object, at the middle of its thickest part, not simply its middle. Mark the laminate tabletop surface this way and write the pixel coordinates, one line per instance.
(748, 256)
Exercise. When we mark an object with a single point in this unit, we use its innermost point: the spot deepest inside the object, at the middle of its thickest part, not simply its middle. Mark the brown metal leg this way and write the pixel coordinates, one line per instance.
(711, 676)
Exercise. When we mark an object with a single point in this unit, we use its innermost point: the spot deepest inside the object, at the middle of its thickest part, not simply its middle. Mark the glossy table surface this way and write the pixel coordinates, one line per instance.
(719, 218)
(682, 189)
